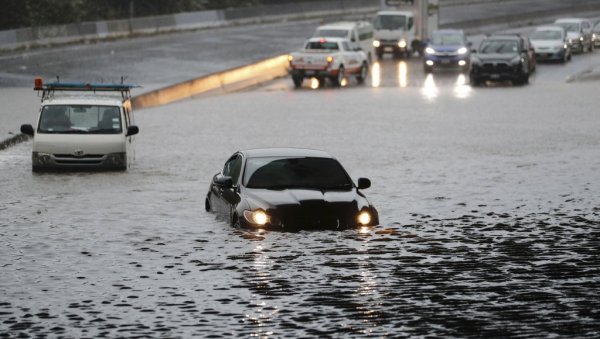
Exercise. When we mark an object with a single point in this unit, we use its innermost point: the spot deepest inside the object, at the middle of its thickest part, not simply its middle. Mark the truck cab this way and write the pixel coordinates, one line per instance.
(402, 26)
(83, 126)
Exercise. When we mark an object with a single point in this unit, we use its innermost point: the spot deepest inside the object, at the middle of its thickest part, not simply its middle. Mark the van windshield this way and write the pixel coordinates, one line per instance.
(390, 22)
(332, 33)
(82, 119)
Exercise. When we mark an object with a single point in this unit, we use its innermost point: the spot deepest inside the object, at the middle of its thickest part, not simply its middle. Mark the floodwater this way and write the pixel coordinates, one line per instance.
(490, 221)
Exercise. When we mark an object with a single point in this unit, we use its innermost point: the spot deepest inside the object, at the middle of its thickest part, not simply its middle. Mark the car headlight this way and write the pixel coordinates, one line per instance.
(402, 43)
(462, 50)
(580, 38)
(376, 43)
(429, 50)
(565, 46)
(257, 217)
(516, 60)
(364, 218)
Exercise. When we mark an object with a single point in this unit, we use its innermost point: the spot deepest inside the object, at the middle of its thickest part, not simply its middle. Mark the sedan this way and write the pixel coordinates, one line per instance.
(289, 189)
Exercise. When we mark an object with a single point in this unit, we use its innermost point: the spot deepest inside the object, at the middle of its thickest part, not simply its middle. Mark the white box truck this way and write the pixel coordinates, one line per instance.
(403, 26)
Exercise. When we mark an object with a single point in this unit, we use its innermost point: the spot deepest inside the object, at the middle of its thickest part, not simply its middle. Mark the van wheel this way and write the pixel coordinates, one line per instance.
(364, 71)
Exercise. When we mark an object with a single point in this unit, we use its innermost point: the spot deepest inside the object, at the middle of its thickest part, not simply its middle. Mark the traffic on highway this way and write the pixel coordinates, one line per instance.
(249, 213)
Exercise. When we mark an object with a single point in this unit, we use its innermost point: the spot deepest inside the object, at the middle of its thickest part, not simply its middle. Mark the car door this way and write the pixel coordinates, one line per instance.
(228, 197)
(351, 56)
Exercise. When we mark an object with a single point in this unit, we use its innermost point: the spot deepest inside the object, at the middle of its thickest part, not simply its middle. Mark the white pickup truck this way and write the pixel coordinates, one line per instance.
(328, 58)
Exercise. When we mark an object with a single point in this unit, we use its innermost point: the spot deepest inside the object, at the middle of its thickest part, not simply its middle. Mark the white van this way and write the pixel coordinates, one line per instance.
(359, 32)
(83, 126)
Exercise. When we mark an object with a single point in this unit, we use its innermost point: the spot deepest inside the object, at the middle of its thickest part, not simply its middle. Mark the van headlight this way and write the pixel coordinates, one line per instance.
(39, 158)
(376, 43)
(257, 217)
(363, 218)
(402, 43)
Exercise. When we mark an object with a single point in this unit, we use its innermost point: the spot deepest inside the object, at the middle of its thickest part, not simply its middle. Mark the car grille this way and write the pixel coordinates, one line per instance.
(496, 67)
(317, 214)
(84, 159)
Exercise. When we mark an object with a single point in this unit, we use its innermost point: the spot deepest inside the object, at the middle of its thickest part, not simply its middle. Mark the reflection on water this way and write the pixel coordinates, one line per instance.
(429, 90)
(402, 74)
(314, 83)
(461, 88)
(376, 74)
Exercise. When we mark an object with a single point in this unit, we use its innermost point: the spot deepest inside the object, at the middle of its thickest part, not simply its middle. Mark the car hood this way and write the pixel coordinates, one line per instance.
(496, 57)
(446, 48)
(546, 44)
(263, 198)
(83, 143)
(573, 35)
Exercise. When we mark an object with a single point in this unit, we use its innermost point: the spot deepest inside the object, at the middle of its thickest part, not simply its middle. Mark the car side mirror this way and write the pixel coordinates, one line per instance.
(223, 181)
(474, 50)
(363, 183)
(27, 129)
(469, 44)
(132, 130)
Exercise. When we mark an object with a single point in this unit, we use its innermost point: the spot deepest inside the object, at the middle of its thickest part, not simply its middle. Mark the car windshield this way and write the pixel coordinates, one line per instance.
(546, 35)
(391, 22)
(569, 26)
(499, 47)
(292, 172)
(80, 119)
(333, 33)
(447, 39)
(327, 45)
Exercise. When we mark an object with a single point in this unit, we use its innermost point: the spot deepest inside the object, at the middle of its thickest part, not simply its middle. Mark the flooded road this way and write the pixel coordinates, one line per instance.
(490, 219)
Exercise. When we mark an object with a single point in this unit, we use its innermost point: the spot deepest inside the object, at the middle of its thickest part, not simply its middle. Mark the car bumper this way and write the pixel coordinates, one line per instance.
(496, 72)
(56, 162)
(312, 72)
(390, 48)
(550, 55)
(451, 62)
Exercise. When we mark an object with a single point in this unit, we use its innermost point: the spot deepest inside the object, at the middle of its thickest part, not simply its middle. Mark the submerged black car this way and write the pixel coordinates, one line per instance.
(290, 189)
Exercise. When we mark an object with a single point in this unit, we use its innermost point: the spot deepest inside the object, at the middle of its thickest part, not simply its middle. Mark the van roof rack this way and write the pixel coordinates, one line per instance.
(48, 89)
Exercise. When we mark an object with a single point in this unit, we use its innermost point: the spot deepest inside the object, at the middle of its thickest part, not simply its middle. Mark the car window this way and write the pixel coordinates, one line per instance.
(569, 26)
(233, 168)
(296, 172)
(447, 39)
(332, 33)
(546, 35)
(80, 119)
(322, 45)
(499, 47)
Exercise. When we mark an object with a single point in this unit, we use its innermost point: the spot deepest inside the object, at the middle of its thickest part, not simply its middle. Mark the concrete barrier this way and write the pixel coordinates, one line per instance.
(222, 82)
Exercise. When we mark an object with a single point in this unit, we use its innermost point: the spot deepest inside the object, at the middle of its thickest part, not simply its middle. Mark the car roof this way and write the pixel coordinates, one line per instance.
(327, 39)
(339, 24)
(503, 37)
(446, 31)
(550, 28)
(285, 152)
(570, 20)
(100, 100)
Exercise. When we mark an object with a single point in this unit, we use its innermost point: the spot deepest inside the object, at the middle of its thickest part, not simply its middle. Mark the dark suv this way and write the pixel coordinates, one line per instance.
(503, 57)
